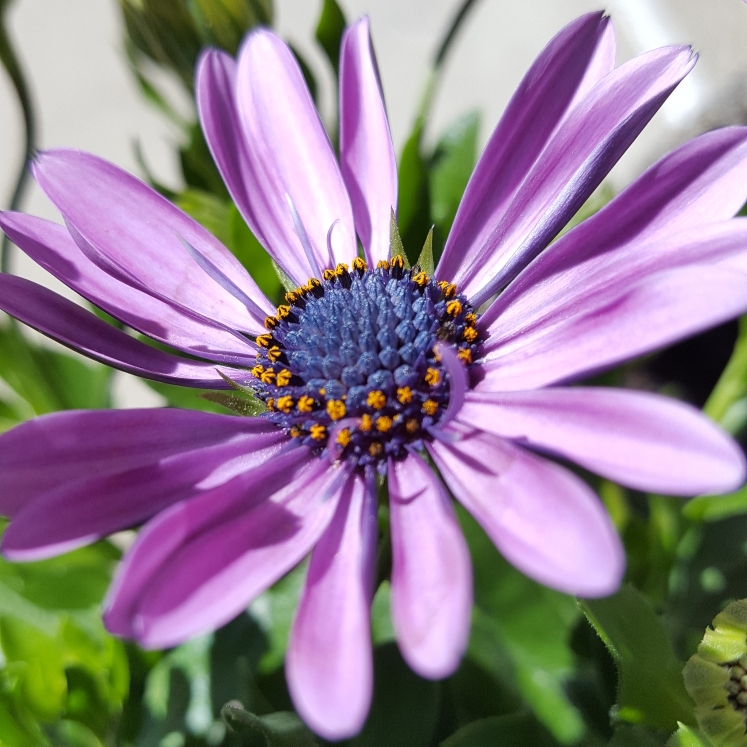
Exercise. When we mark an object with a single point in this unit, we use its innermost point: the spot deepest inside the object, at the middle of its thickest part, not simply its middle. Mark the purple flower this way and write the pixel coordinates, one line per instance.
(370, 363)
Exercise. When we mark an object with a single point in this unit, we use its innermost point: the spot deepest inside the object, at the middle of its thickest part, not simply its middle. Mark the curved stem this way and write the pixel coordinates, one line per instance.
(11, 64)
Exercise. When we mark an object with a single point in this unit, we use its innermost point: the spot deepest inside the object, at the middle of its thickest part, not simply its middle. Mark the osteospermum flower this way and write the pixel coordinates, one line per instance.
(369, 363)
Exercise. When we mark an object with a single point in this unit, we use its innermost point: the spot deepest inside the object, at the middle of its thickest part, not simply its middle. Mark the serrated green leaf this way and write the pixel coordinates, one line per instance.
(329, 30)
(651, 688)
(687, 737)
(239, 405)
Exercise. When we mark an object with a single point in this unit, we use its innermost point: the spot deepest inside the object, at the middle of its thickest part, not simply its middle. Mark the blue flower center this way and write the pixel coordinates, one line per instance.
(350, 363)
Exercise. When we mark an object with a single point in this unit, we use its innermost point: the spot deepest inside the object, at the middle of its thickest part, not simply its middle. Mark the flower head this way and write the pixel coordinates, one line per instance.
(369, 363)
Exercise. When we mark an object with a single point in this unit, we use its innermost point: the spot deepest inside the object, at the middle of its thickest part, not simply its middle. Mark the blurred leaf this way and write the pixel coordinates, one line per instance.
(687, 737)
(185, 397)
(280, 729)
(198, 167)
(516, 730)
(223, 23)
(382, 629)
(716, 507)
(633, 736)
(532, 624)
(307, 72)
(208, 210)
(651, 689)
(413, 207)
(329, 30)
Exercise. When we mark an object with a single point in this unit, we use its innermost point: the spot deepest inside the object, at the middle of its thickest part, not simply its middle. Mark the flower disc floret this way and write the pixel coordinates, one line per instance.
(352, 358)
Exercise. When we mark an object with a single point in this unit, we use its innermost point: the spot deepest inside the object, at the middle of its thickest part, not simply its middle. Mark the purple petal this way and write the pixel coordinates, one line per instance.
(581, 153)
(458, 380)
(72, 325)
(198, 564)
(574, 60)
(369, 167)
(642, 440)
(328, 665)
(431, 571)
(544, 520)
(615, 325)
(52, 247)
(66, 447)
(702, 182)
(290, 157)
(138, 230)
(81, 512)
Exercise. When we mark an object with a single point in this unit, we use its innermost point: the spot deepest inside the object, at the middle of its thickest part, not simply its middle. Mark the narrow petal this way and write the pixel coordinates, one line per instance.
(72, 325)
(329, 663)
(701, 183)
(545, 520)
(431, 571)
(367, 160)
(198, 564)
(291, 159)
(138, 230)
(581, 153)
(573, 62)
(66, 447)
(614, 326)
(52, 247)
(641, 440)
(82, 512)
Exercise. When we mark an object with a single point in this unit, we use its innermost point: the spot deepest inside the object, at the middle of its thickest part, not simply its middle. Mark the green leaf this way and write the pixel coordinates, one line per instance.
(413, 207)
(425, 260)
(329, 30)
(516, 730)
(239, 405)
(185, 397)
(281, 729)
(208, 210)
(716, 507)
(687, 737)
(306, 71)
(725, 405)
(382, 629)
(651, 688)
(633, 736)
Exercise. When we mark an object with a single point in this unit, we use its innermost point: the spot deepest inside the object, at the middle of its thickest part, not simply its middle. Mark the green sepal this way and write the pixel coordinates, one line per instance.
(239, 405)
(285, 281)
(235, 385)
(705, 682)
(425, 260)
(395, 241)
(727, 641)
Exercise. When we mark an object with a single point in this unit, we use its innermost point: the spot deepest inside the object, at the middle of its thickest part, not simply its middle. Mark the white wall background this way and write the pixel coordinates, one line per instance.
(85, 97)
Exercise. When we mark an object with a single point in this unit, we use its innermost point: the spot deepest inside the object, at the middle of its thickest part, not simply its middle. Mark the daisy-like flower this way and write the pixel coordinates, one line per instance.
(370, 365)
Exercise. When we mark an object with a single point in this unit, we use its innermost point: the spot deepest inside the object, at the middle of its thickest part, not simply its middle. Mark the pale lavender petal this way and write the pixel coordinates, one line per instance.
(138, 230)
(329, 663)
(72, 325)
(616, 325)
(458, 380)
(573, 62)
(641, 440)
(290, 157)
(431, 571)
(52, 247)
(545, 520)
(702, 182)
(582, 151)
(81, 512)
(64, 447)
(198, 564)
(367, 160)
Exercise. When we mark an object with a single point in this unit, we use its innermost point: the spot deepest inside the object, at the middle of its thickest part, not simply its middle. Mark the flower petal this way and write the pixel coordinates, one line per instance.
(52, 247)
(329, 663)
(292, 158)
(642, 440)
(431, 571)
(82, 512)
(580, 154)
(616, 325)
(66, 447)
(545, 520)
(703, 182)
(573, 62)
(367, 160)
(139, 231)
(72, 325)
(200, 563)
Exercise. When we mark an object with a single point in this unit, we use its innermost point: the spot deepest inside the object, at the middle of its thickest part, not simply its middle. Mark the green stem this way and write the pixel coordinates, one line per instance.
(11, 64)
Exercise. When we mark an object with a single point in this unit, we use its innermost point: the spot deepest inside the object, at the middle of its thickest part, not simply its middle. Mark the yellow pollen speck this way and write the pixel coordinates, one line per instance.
(267, 377)
(274, 353)
(336, 409)
(465, 355)
(432, 376)
(470, 334)
(270, 404)
(291, 297)
(318, 432)
(258, 371)
(285, 403)
(412, 425)
(305, 404)
(471, 318)
(284, 377)
(448, 289)
(420, 278)
(404, 395)
(430, 407)
(366, 422)
(270, 322)
(283, 311)
(397, 261)
(343, 437)
(454, 308)
(383, 423)
(328, 274)
(376, 399)
(341, 268)
(360, 264)
(264, 341)
(375, 449)
(313, 283)
(295, 431)
(382, 264)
